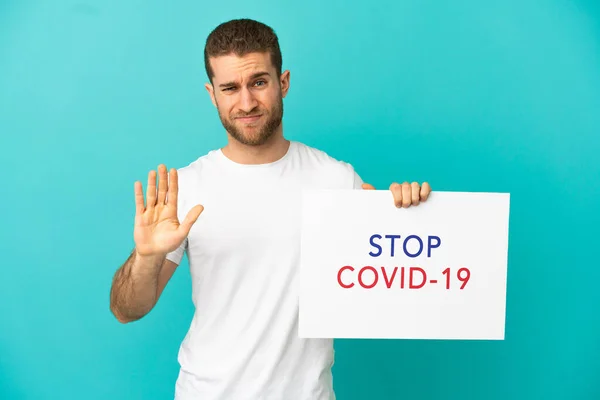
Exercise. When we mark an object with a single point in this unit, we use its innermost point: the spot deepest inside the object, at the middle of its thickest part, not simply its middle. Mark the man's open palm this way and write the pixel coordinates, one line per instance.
(157, 229)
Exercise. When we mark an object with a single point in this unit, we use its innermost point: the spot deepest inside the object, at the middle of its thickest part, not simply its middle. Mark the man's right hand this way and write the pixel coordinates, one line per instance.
(157, 230)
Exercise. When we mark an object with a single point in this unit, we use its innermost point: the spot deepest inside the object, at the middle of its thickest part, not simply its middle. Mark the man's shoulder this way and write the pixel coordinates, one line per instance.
(198, 164)
(195, 171)
(325, 167)
(310, 153)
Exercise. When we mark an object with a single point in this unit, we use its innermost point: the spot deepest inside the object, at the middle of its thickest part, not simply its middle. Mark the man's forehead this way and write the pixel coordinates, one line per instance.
(234, 67)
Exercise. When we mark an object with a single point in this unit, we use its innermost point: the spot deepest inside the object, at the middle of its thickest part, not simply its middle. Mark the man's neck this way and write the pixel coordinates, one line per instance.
(274, 149)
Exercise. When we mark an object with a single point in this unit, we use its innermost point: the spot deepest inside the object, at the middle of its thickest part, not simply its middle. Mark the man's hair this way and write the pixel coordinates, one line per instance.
(240, 37)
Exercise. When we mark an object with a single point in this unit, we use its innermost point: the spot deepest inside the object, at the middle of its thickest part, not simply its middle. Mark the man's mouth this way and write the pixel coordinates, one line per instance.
(249, 118)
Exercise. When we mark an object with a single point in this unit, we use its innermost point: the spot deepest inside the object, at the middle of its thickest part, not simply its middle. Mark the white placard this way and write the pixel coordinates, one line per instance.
(433, 271)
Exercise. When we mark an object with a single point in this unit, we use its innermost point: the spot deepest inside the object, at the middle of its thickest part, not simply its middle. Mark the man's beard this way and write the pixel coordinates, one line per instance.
(269, 127)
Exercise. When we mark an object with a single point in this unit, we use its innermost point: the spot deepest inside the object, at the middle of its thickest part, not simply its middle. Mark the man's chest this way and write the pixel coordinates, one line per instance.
(247, 221)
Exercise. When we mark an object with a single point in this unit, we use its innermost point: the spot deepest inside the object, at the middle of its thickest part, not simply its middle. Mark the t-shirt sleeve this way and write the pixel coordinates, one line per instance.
(356, 179)
(358, 182)
(177, 254)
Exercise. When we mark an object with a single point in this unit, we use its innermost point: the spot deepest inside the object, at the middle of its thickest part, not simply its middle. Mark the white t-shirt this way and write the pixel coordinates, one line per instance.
(244, 255)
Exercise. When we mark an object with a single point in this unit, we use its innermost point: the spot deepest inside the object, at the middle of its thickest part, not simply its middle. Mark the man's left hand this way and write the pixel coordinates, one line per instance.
(406, 194)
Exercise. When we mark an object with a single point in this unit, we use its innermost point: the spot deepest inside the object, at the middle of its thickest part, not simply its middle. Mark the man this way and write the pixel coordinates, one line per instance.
(244, 251)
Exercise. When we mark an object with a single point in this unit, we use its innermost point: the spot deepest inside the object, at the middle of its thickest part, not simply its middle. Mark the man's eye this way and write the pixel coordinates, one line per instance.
(259, 82)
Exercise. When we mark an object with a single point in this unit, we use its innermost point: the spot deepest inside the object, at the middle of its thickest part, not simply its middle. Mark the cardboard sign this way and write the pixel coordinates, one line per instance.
(432, 271)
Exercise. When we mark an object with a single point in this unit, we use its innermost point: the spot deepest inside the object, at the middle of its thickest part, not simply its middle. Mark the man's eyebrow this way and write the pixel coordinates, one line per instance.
(254, 76)
(259, 74)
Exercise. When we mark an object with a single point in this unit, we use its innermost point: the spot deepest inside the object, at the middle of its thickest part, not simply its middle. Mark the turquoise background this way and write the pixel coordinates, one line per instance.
(468, 95)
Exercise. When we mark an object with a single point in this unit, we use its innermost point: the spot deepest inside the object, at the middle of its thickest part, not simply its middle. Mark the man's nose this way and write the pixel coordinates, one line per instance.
(247, 101)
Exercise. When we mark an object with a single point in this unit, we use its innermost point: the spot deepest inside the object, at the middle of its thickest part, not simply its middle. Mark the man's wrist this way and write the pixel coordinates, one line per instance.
(153, 259)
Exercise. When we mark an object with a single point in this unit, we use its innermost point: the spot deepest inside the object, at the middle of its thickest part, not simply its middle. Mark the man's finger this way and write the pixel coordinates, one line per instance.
(397, 192)
(173, 188)
(367, 186)
(162, 184)
(415, 193)
(151, 190)
(425, 191)
(406, 195)
(139, 197)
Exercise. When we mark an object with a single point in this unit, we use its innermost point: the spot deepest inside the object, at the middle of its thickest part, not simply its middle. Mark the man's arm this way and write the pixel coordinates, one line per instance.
(138, 284)
(157, 232)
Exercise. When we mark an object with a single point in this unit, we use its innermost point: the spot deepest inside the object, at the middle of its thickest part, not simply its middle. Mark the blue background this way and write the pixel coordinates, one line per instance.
(469, 95)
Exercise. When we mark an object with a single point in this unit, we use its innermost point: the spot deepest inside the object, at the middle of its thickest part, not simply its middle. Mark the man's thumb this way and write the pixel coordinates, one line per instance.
(191, 218)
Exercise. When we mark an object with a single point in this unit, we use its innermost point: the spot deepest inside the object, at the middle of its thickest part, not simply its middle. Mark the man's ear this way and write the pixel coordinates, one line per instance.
(284, 82)
(211, 92)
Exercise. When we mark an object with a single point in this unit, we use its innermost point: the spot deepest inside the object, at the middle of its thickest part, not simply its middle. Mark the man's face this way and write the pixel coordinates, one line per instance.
(249, 96)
